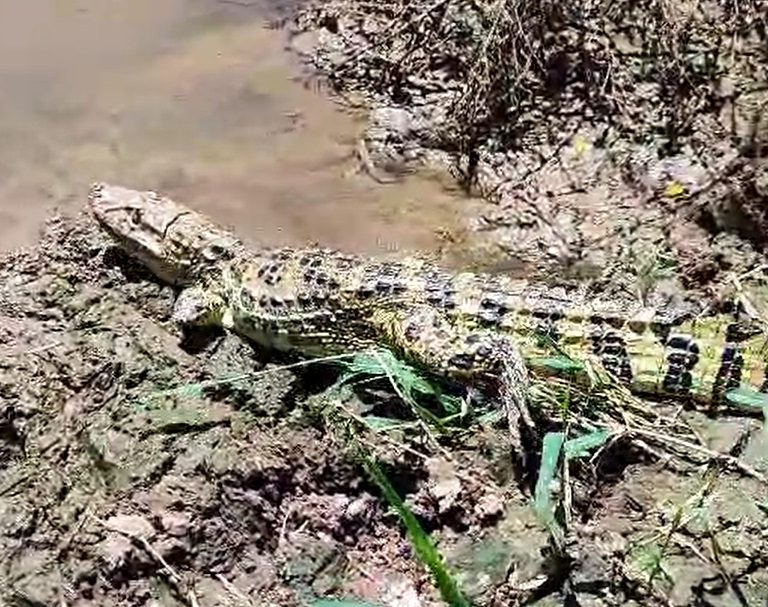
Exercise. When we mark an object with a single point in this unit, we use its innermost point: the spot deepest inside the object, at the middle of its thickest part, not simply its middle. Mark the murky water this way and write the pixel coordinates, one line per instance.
(199, 100)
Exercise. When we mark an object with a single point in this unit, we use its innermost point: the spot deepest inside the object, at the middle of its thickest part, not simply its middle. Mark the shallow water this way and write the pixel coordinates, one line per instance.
(199, 100)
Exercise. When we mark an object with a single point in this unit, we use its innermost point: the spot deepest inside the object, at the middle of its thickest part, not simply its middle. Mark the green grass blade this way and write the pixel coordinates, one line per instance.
(583, 445)
(747, 398)
(543, 505)
(405, 380)
(382, 424)
(422, 544)
(558, 364)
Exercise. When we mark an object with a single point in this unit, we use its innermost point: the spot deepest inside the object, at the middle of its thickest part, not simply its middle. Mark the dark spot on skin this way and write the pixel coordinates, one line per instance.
(441, 298)
(412, 332)
(438, 290)
(683, 342)
(492, 309)
(615, 322)
(484, 350)
(611, 348)
(263, 301)
(612, 321)
(490, 303)
(730, 371)
(272, 279)
(637, 326)
(383, 277)
(272, 273)
(246, 299)
(661, 330)
(365, 291)
(549, 314)
(216, 250)
(742, 330)
(386, 286)
(461, 361)
(472, 339)
(681, 360)
(677, 379)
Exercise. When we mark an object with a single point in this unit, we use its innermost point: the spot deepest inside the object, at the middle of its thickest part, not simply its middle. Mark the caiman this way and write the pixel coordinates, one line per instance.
(481, 330)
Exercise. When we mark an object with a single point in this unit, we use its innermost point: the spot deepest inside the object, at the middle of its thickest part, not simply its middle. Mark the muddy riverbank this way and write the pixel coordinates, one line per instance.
(595, 134)
(116, 488)
(124, 482)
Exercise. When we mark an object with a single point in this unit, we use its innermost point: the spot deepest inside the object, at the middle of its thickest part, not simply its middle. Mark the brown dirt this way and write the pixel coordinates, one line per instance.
(242, 497)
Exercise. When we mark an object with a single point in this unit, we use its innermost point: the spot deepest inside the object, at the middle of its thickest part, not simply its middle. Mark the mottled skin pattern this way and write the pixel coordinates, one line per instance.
(479, 329)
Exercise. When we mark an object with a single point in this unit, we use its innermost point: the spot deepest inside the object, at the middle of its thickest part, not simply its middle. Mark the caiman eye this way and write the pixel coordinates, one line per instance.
(215, 251)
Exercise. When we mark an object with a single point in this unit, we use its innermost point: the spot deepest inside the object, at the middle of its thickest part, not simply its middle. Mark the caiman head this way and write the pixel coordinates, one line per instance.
(177, 244)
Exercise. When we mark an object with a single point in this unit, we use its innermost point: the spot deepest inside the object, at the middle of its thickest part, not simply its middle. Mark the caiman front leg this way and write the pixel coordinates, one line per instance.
(476, 357)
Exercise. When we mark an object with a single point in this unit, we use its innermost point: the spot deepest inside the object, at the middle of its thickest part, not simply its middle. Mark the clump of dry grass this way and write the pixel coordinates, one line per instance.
(504, 72)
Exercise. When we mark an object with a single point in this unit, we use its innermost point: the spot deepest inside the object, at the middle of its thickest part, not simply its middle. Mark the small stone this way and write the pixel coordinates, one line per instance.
(115, 550)
(756, 452)
(444, 486)
(131, 524)
(399, 592)
(358, 508)
(175, 523)
(489, 506)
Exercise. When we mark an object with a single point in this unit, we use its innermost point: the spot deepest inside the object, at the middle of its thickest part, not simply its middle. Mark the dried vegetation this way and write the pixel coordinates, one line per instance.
(648, 79)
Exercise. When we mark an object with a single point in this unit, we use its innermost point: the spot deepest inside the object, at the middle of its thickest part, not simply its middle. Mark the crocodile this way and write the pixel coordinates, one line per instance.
(485, 330)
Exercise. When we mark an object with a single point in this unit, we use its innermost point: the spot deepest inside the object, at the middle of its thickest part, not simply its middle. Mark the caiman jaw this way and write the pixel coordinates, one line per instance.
(173, 242)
